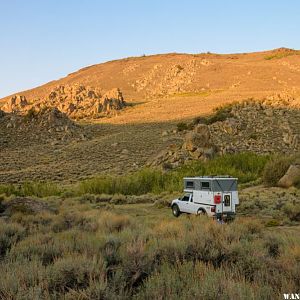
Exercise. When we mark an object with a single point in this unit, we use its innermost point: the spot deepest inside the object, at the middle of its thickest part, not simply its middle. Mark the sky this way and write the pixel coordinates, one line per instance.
(44, 40)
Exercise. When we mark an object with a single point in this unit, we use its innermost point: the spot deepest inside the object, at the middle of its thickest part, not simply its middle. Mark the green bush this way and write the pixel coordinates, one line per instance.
(275, 169)
(245, 166)
(74, 272)
(292, 211)
(221, 114)
(38, 189)
(9, 235)
(182, 126)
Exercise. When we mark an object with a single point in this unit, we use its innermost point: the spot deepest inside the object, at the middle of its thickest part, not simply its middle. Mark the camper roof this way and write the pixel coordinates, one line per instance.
(212, 177)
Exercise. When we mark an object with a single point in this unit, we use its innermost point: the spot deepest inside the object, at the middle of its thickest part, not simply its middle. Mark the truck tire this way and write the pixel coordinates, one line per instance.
(175, 210)
(201, 212)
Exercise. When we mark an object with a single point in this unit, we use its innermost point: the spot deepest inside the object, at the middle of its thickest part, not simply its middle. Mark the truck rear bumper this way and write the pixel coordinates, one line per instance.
(225, 216)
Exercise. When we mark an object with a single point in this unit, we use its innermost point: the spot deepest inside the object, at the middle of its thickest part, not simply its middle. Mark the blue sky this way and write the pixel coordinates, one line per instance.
(43, 40)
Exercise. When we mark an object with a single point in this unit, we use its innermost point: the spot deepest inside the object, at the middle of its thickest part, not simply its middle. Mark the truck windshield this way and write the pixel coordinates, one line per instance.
(226, 185)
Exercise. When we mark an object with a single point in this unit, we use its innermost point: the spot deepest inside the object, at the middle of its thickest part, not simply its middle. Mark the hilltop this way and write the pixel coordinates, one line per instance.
(118, 116)
(175, 86)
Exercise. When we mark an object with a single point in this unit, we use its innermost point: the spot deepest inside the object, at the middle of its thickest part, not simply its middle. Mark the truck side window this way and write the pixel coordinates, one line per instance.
(205, 185)
(185, 198)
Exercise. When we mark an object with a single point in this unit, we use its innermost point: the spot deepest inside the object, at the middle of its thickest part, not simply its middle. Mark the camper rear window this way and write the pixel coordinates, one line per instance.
(224, 185)
(190, 184)
(205, 185)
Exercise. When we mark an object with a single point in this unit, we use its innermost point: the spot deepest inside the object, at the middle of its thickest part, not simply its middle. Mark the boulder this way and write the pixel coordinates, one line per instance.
(15, 103)
(25, 205)
(198, 138)
(291, 177)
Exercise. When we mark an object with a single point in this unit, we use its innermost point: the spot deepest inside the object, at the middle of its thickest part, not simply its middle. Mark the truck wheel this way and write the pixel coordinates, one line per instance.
(175, 211)
(201, 212)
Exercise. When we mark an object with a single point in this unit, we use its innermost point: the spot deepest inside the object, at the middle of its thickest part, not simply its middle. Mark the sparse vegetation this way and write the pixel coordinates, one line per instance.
(182, 126)
(31, 114)
(246, 166)
(220, 114)
(275, 169)
(283, 54)
(140, 251)
(38, 189)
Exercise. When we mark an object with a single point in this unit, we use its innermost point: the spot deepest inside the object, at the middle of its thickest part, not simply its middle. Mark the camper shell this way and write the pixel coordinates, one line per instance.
(215, 196)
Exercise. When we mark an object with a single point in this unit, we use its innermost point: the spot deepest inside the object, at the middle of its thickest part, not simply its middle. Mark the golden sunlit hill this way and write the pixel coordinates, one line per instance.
(120, 115)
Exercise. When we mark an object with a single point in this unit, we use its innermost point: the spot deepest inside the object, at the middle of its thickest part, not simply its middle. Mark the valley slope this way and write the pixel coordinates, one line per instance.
(160, 91)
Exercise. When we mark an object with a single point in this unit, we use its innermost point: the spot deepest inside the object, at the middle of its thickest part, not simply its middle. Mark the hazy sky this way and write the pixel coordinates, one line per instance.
(42, 40)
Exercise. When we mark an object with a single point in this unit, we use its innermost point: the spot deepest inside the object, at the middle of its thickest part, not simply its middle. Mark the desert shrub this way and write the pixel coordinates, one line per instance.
(34, 222)
(280, 55)
(43, 248)
(292, 211)
(275, 169)
(110, 222)
(148, 256)
(10, 233)
(69, 220)
(141, 182)
(87, 198)
(202, 281)
(273, 245)
(9, 189)
(246, 166)
(2, 206)
(161, 203)
(182, 126)
(273, 223)
(135, 263)
(38, 189)
(221, 114)
(118, 199)
(74, 272)
(23, 280)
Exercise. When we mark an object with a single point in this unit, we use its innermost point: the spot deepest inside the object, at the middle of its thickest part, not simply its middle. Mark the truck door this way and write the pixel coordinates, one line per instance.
(184, 203)
(227, 202)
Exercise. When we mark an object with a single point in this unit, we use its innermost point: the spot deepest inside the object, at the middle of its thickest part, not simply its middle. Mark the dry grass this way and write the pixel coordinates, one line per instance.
(139, 251)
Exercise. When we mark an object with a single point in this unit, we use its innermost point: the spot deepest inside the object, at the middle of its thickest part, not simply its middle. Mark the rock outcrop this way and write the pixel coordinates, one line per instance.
(291, 177)
(24, 205)
(253, 126)
(198, 143)
(48, 125)
(2, 113)
(16, 103)
(77, 101)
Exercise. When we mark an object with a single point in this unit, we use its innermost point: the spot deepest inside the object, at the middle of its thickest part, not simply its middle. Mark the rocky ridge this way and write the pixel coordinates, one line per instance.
(255, 126)
(76, 101)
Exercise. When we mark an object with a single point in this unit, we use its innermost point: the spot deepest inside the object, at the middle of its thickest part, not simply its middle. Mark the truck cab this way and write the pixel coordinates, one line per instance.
(214, 196)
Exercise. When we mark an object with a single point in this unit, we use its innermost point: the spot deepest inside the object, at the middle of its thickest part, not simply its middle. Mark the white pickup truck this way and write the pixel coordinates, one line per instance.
(214, 196)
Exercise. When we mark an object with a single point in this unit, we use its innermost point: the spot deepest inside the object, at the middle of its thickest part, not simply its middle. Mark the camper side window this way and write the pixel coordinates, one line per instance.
(205, 185)
(189, 184)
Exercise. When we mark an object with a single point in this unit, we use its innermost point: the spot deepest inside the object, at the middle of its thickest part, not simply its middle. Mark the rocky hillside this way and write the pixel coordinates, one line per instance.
(49, 125)
(255, 126)
(40, 138)
(76, 101)
(175, 86)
